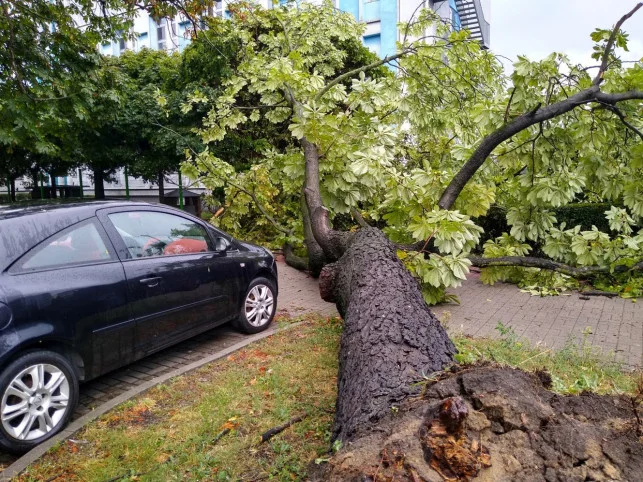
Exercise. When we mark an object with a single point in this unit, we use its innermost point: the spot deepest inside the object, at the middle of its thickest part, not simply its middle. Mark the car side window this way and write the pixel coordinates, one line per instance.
(148, 233)
(76, 245)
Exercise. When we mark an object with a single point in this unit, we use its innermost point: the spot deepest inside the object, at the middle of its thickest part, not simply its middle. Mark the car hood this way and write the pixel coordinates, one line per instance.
(253, 248)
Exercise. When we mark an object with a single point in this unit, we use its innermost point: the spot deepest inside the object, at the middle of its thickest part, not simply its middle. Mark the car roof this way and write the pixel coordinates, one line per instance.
(22, 226)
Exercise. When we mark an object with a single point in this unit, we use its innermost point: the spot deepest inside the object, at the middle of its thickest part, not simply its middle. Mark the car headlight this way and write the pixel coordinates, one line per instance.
(5, 316)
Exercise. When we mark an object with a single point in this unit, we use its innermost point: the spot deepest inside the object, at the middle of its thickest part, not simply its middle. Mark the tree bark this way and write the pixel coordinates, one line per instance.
(293, 260)
(99, 187)
(390, 340)
(161, 183)
(12, 187)
(582, 272)
(316, 258)
(53, 189)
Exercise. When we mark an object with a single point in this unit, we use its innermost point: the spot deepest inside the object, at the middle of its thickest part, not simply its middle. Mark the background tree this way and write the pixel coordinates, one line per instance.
(47, 58)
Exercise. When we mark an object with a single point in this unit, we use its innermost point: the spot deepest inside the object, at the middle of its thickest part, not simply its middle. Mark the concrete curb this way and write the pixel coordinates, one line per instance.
(23, 462)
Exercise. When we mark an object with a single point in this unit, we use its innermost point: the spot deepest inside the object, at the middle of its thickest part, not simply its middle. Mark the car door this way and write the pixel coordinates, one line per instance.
(177, 282)
(74, 283)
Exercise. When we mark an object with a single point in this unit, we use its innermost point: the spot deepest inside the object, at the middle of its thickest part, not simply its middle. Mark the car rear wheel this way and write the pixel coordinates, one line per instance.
(258, 307)
(39, 391)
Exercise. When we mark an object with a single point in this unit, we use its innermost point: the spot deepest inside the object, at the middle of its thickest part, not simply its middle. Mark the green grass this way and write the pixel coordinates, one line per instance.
(578, 366)
(177, 431)
(170, 432)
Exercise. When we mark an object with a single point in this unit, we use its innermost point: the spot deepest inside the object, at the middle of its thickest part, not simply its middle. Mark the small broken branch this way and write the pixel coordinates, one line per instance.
(358, 217)
(607, 294)
(220, 435)
(277, 430)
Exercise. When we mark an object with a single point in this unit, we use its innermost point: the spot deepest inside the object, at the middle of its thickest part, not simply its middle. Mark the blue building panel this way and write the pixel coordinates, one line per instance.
(388, 19)
(455, 16)
(374, 43)
(183, 41)
(350, 6)
(371, 10)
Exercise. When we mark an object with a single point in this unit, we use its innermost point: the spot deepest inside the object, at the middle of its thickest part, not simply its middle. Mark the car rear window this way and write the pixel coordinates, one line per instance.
(147, 233)
(76, 245)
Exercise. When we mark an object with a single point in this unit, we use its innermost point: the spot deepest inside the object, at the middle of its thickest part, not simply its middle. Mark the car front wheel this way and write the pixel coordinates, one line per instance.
(258, 307)
(39, 391)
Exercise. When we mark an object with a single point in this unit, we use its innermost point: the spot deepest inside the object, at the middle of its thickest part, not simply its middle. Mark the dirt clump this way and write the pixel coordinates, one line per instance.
(495, 424)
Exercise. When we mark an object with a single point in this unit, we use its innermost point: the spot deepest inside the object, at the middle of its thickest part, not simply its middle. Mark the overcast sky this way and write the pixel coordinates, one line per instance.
(538, 27)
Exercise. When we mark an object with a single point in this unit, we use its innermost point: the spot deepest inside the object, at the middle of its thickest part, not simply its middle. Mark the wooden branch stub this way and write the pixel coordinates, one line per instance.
(276, 430)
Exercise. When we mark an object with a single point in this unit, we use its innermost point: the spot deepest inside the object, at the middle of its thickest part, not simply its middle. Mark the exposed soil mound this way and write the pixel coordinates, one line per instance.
(496, 424)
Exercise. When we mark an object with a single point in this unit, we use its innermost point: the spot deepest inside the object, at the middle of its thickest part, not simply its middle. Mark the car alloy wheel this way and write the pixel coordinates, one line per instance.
(35, 402)
(259, 305)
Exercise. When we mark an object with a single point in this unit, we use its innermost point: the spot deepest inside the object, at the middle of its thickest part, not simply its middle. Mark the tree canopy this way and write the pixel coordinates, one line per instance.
(424, 151)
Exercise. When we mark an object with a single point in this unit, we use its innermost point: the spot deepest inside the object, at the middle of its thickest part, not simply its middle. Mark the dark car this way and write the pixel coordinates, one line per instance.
(88, 287)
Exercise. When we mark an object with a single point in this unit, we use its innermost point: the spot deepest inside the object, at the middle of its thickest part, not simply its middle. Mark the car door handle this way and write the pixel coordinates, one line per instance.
(151, 282)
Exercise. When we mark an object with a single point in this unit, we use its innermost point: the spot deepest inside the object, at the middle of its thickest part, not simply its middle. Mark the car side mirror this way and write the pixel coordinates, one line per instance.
(221, 244)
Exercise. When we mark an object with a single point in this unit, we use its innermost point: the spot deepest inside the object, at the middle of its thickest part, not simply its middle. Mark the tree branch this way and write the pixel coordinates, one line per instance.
(348, 75)
(621, 116)
(542, 263)
(610, 44)
(536, 116)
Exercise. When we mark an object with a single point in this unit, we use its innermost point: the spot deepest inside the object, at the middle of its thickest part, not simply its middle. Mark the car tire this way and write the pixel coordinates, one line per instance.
(38, 395)
(258, 307)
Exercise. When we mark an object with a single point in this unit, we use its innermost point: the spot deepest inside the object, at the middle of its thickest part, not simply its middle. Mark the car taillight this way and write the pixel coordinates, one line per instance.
(5, 316)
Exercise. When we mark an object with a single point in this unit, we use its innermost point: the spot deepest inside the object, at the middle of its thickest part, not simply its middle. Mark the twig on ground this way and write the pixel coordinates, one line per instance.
(220, 435)
(609, 294)
(535, 356)
(274, 431)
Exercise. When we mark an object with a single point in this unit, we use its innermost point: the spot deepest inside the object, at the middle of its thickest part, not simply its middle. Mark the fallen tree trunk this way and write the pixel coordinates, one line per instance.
(391, 340)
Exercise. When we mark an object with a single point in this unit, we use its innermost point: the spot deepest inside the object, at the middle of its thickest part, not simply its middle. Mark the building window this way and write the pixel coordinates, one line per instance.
(122, 45)
(161, 35)
(216, 10)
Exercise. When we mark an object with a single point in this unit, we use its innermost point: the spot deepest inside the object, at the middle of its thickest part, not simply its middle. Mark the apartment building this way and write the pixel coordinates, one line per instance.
(381, 17)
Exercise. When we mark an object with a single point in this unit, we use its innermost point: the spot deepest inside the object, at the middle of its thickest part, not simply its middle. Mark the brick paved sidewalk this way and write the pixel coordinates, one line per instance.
(613, 324)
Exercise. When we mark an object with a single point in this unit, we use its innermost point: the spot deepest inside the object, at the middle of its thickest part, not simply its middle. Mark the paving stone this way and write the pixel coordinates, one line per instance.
(616, 324)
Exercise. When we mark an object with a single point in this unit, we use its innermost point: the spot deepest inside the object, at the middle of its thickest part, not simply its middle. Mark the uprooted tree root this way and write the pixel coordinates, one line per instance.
(496, 424)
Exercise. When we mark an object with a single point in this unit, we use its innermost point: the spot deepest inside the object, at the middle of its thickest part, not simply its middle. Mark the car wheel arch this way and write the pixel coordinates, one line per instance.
(56, 346)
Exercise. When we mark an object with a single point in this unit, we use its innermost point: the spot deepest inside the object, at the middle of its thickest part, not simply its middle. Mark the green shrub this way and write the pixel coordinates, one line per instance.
(586, 215)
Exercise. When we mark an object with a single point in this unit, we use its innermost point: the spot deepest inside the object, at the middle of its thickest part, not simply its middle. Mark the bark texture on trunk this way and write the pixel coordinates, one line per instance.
(161, 183)
(316, 258)
(54, 187)
(390, 339)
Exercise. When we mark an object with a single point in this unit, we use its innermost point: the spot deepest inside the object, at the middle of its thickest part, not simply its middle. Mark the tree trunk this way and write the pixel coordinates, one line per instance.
(161, 183)
(12, 183)
(391, 339)
(316, 258)
(54, 187)
(99, 188)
